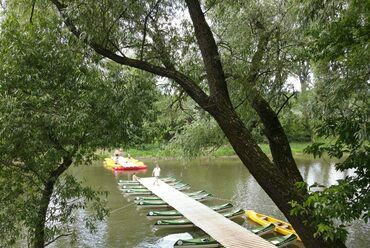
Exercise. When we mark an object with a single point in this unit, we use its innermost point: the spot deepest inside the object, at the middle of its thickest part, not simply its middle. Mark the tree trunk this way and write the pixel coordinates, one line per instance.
(277, 178)
(275, 183)
(38, 240)
(39, 235)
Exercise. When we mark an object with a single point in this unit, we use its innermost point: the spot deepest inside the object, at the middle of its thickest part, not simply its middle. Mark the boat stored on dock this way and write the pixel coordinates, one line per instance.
(183, 223)
(174, 214)
(280, 226)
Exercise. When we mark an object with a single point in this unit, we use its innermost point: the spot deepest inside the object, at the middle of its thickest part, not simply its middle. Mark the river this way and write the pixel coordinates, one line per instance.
(225, 178)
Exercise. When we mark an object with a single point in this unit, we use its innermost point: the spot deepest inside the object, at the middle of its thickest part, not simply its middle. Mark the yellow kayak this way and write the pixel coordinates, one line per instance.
(131, 164)
(280, 226)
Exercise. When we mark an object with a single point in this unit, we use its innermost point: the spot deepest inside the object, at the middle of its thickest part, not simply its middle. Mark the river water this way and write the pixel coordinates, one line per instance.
(225, 178)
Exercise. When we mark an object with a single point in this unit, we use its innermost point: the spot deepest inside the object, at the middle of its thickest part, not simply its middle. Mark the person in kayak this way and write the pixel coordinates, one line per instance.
(118, 152)
(116, 155)
(116, 158)
(156, 173)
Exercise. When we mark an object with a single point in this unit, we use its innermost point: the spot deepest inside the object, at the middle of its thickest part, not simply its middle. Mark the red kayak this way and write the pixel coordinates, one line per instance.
(125, 168)
(128, 165)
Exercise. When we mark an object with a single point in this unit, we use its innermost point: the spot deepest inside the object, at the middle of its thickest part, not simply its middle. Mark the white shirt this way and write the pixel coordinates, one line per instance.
(122, 160)
(157, 171)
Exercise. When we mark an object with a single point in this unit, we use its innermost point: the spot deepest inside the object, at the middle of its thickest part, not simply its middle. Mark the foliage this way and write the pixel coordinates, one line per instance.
(203, 134)
(172, 112)
(245, 27)
(57, 107)
(340, 40)
(297, 119)
(248, 22)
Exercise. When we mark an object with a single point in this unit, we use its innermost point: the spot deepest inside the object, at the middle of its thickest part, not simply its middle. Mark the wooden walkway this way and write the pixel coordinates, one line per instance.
(226, 232)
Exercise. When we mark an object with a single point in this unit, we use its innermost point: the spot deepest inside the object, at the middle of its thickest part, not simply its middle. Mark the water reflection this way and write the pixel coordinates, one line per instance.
(227, 179)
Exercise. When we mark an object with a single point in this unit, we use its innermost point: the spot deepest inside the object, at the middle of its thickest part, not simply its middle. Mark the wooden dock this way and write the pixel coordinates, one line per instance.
(228, 233)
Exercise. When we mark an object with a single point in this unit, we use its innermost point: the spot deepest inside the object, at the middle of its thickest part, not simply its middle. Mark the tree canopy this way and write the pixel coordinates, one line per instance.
(58, 106)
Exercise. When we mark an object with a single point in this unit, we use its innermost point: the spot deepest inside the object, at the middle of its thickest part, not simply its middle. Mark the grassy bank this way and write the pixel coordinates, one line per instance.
(159, 151)
(297, 148)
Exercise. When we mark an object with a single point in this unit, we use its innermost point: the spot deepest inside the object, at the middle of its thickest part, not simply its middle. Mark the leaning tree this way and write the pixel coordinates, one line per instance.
(157, 37)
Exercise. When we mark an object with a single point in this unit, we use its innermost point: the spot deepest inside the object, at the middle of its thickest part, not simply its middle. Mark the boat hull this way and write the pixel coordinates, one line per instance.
(281, 227)
(184, 223)
(138, 192)
(129, 168)
(210, 242)
(177, 215)
(146, 204)
(139, 186)
(131, 182)
(197, 246)
(136, 165)
(154, 198)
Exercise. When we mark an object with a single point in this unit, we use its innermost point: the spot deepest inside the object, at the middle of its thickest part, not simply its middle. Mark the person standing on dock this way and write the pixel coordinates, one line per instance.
(135, 178)
(156, 173)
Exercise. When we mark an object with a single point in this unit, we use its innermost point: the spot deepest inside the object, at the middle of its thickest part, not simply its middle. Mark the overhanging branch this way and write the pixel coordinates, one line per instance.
(287, 98)
(57, 237)
(145, 27)
(186, 83)
(209, 50)
(32, 10)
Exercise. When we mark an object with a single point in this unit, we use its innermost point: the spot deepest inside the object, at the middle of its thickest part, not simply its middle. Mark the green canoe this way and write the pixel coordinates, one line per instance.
(182, 223)
(135, 192)
(163, 204)
(174, 214)
(129, 182)
(282, 241)
(209, 242)
(204, 242)
(139, 186)
(150, 198)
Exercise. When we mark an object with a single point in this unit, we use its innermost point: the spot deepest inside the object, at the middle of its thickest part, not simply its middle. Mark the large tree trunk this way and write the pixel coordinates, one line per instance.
(278, 186)
(39, 232)
(39, 237)
(277, 178)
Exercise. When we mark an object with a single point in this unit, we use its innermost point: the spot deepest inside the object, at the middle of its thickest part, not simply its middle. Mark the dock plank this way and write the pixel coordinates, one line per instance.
(228, 233)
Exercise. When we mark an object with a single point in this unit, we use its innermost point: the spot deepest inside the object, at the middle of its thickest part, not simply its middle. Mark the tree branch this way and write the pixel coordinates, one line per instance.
(186, 83)
(165, 57)
(212, 4)
(286, 101)
(22, 166)
(241, 103)
(145, 27)
(257, 57)
(114, 22)
(32, 10)
(208, 47)
(278, 141)
(57, 237)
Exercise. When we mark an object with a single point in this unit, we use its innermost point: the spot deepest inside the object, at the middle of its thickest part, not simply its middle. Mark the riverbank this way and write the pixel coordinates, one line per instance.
(160, 151)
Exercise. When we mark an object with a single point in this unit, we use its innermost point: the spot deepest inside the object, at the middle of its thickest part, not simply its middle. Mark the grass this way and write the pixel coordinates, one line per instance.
(159, 151)
(146, 150)
(227, 150)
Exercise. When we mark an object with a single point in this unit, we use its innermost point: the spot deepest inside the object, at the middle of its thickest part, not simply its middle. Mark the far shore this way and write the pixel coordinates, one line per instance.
(226, 151)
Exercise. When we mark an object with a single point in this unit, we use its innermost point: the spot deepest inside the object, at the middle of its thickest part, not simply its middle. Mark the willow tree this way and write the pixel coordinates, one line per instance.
(57, 106)
(157, 37)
